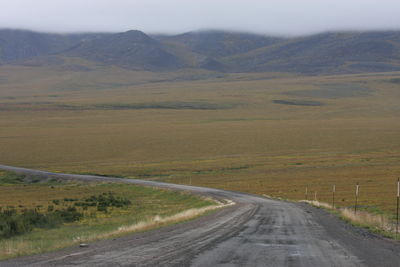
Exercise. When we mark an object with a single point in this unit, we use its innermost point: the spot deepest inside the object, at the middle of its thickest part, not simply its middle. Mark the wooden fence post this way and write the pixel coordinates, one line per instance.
(355, 206)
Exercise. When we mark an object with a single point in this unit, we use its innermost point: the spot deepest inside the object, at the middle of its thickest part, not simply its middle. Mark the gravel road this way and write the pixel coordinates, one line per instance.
(254, 232)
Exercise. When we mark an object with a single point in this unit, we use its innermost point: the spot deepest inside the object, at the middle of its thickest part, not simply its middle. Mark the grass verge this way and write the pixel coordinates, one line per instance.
(381, 224)
(150, 208)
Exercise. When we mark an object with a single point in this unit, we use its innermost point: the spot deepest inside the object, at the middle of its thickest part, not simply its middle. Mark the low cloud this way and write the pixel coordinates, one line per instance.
(283, 17)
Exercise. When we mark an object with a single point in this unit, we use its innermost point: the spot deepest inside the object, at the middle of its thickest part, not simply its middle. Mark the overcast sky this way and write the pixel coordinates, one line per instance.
(287, 17)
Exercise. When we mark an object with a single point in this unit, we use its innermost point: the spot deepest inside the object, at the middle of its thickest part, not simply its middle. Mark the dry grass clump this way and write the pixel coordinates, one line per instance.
(376, 222)
(156, 221)
(318, 204)
(364, 218)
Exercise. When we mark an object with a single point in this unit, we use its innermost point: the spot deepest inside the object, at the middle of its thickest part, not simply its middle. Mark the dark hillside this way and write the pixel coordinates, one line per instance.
(19, 45)
(132, 49)
(220, 44)
(325, 53)
(346, 52)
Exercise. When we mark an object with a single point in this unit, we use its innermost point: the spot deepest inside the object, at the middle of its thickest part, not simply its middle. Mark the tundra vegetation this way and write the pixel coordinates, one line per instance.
(222, 130)
(38, 216)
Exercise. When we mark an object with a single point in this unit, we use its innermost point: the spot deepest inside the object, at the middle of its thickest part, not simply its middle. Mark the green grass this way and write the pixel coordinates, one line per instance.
(145, 203)
(10, 178)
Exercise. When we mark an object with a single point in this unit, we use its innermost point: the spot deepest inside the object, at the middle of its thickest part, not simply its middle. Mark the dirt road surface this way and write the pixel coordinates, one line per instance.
(254, 232)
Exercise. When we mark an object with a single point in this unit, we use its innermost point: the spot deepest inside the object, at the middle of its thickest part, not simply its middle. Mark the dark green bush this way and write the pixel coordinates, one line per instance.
(14, 223)
(104, 201)
(102, 208)
(69, 214)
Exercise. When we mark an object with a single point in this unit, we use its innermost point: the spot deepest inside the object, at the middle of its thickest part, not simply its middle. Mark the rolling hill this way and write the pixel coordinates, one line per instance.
(17, 45)
(132, 49)
(332, 52)
(325, 53)
(219, 44)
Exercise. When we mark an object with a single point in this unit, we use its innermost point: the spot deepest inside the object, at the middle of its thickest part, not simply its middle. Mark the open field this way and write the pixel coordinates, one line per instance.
(259, 133)
(107, 210)
(255, 231)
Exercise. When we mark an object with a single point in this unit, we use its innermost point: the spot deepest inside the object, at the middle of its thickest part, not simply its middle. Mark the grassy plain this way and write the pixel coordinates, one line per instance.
(218, 130)
(146, 204)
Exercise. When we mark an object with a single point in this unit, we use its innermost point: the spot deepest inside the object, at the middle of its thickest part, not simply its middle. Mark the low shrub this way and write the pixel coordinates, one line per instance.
(15, 223)
(104, 201)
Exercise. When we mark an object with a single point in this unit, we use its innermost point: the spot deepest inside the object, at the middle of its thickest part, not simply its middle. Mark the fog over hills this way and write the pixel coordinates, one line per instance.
(20, 44)
(131, 49)
(332, 52)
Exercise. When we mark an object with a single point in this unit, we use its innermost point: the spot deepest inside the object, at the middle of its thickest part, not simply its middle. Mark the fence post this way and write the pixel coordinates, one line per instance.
(333, 196)
(355, 206)
(315, 196)
(397, 209)
(306, 192)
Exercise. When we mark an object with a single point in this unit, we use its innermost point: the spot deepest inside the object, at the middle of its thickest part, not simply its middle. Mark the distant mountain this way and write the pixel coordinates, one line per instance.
(217, 44)
(18, 45)
(212, 46)
(132, 49)
(325, 53)
(347, 52)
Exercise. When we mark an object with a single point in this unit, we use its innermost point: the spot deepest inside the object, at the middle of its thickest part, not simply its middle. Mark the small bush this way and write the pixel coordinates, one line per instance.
(13, 223)
(104, 201)
(102, 208)
(69, 214)
(11, 178)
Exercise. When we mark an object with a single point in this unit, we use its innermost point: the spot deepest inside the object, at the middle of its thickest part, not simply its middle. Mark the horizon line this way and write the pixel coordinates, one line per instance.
(283, 35)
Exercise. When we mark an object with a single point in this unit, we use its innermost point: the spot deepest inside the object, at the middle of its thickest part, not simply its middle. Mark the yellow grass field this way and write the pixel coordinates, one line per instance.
(217, 130)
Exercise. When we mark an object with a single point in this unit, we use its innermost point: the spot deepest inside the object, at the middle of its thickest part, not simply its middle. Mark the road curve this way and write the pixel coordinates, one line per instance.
(254, 232)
